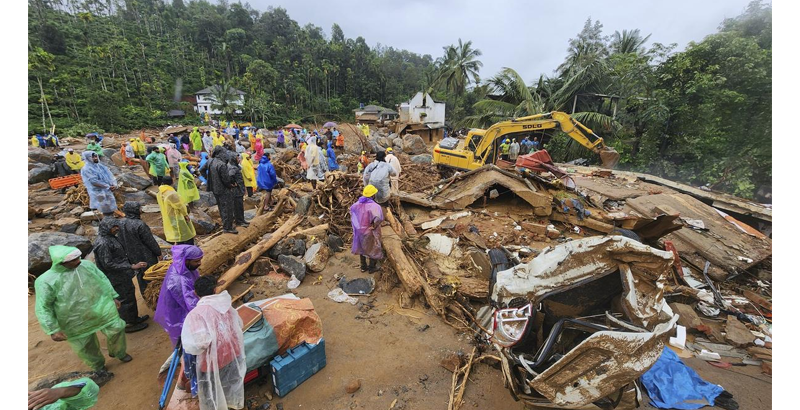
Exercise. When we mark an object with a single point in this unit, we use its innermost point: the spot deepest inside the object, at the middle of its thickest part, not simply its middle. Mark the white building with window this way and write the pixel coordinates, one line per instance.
(422, 109)
(205, 99)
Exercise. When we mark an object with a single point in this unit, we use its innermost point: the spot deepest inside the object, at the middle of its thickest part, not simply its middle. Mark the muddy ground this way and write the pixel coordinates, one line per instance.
(385, 348)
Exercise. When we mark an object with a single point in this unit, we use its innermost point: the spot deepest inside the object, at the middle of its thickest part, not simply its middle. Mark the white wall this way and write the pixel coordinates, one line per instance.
(410, 111)
(204, 102)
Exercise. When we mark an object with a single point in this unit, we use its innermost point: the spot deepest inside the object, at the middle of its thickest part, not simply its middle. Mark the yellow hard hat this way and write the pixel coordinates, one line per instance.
(369, 191)
(389, 149)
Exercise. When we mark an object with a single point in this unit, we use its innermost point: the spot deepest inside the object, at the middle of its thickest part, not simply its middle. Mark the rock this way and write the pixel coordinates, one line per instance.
(39, 244)
(737, 333)
(109, 152)
(68, 224)
(375, 147)
(151, 209)
(335, 243)
(413, 144)
(288, 246)
(353, 386)
(139, 196)
(214, 212)
(303, 203)
(40, 155)
(116, 158)
(352, 145)
(161, 242)
(203, 224)
(207, 199)
(90, 216)
(32, 212)
(422, 159)
(393, 136)
(397, 141)
(41, 174)
(397, 150)
(384, 142)
(77, 211)
(245, 143)
(249, 214)
(261, 267)
(292, 265)
(316, 257)
(132, 180)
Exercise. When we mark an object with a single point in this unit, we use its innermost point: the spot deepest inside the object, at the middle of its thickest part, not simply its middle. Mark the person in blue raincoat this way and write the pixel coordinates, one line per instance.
(332, 165)
(203, 160)
(266, 179)
(100, 184)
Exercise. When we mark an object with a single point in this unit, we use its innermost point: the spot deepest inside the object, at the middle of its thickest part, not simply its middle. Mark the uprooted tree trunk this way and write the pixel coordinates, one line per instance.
(246, 258)
(224, 247)
(410, 276)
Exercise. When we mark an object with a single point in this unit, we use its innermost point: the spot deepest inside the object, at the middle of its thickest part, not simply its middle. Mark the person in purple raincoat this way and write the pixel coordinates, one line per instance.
(366, 217)
(176, 299)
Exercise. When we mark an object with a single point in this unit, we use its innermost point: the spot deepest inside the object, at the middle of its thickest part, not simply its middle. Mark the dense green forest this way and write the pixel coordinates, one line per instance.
(702, 115)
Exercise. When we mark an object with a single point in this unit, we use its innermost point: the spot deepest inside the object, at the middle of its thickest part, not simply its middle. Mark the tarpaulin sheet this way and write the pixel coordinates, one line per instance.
(673, 385)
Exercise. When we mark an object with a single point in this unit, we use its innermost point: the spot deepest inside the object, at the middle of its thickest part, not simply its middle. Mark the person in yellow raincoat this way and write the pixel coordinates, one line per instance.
(187, 188)
(248, 174)
(216, 139)
(178, 228)
(74, 161)
(139, 148)
(34, 141)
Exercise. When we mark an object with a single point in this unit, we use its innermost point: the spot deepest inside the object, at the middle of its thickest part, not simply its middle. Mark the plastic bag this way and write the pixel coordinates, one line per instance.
(294, 283)
(337, 295)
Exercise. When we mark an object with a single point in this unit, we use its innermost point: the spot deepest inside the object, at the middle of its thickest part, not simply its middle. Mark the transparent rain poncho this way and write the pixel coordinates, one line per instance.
(366, 241)
(187, 189)
(97, 179)
(77, 302)
(377, 174)
(86, 399)
(177, 227)
(212, 331)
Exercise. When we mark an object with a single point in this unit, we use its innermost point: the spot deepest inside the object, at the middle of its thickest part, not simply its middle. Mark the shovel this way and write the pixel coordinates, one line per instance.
(176, 358)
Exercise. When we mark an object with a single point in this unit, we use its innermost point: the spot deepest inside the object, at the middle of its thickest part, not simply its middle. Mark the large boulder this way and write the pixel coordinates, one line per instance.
(207, 199)
(384, 142)
(289, 247)
(41, 174)
(316, 257)
(413, 144)
(109, 152)
(292, 265)
(397, 142)
(39, 248)
(134, 181)
(375, 147)
(303, 203)
(203, 224)
(40, 155)
(68, 224)
(422, 159)
(352, 145)
(393, 136)
(335, 243)
(139, 196)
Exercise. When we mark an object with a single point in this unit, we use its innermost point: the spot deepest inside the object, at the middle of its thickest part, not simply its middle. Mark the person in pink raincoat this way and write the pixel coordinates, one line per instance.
(366, 217)
(258, 149)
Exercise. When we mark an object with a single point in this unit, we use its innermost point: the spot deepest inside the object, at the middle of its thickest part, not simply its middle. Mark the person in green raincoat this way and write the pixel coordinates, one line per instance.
(75, 300)
(158, 165)
(197, 142)
(78, 394)
(187, 188)
(94, 146)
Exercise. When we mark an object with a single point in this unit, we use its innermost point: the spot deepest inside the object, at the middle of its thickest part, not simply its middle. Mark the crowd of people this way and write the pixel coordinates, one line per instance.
(77, 298)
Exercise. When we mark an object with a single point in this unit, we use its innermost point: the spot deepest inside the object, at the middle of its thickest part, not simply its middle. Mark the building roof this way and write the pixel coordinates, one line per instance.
(208, 90)
(376, 109)
(370, 116)
(176, 113)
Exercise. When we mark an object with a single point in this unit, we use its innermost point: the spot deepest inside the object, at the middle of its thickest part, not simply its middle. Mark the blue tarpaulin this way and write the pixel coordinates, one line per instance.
(673, 385)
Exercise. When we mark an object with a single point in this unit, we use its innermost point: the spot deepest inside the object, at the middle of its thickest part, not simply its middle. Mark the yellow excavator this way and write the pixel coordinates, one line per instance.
(482, 147)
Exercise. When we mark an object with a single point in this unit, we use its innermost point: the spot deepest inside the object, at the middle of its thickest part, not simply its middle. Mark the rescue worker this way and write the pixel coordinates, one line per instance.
(177, 299)
(126, 152)
(74, 300)
(220, 183)
(187, 188)
(138, 240)
(331, 157)
(258, 149)
(504, 148)
(173, 159)
(314, 158)
(513, 150)
(366, 217)
(392, 160)
(95, 147)
(339, 139)
(74, 160)
(249, 174)
(61, 167)
(197, 142)
(235, 173)
(100, 184)
(208, 142)
(157, 165)
(212, 332)
(266, 180)
(178, 228)
(363, 161)
(112, 260)
(377, 174)
(35, 141)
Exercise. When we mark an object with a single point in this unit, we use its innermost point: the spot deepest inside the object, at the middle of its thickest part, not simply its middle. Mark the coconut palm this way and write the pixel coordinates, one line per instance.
(628, 42)
(223, 94)
(460, 66)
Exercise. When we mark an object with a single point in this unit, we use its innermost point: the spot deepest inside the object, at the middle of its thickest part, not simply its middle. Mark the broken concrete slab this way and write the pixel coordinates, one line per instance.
(467, 188)
(151, 209)
(721, 244)
(432, 223)
(441, 243)
(688, 317)
(90, 216)
(737, 333)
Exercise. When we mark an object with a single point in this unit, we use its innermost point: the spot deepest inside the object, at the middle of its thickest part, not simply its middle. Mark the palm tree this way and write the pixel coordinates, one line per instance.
(223, 94)
(460, 66)
(628, 42)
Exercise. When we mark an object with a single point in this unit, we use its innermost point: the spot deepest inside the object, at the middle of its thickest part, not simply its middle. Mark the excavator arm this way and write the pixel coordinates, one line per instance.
(574, 129)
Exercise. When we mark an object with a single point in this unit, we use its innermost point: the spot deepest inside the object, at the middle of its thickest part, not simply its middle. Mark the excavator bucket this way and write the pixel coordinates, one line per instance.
(609, 157)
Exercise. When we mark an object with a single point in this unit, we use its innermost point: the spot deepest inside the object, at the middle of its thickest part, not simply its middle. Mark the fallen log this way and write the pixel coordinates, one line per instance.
(406, 221)
(395, 224)
(223, 248)
(586, 222)
(315, 230)
(246, 258)
(410, 276)
(474, 288)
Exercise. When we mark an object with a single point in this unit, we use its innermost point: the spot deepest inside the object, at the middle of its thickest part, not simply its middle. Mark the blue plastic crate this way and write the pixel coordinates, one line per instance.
(296, 366)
